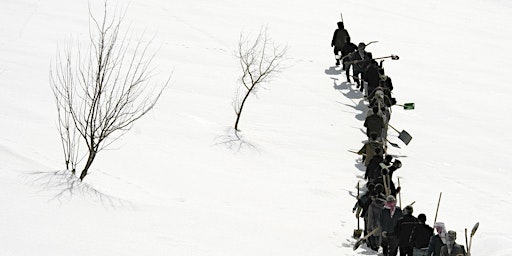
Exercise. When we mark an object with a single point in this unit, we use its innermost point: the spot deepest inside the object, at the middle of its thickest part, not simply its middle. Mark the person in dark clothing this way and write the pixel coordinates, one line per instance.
(362, 204)
(420, 236)
(374, 122)
(339, 39)
(388, 220)
(437, 241)
(387, 80)
(372, 77)
(452, 248)
(374, 211)
(372, 170)
(404, 229)
(385, 174)
(359, 61)
(347, 49)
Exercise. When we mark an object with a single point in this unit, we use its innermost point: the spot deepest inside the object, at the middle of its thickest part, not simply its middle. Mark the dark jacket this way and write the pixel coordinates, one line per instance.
(372, 76)
(404, 229)
(387, 222)
(457, 250)
(435, 245)
(364, 202)
(421, 235)
(348, 48)
(374, 212)
(373, 169)
(387, 82)
(360, 59)
(374, 123)
(339, 38)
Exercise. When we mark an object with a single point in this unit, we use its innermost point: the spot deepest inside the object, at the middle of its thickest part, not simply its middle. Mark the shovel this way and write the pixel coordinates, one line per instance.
(361, 240)
(358, 231)
(403, 135)
(473, 231)
(406, 106)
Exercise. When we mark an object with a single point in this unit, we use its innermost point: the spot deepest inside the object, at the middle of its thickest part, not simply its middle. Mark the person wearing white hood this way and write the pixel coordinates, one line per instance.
(452, 248)
(437, 241)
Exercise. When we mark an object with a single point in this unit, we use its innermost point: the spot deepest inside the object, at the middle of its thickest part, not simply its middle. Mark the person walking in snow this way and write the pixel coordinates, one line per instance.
(452, 248)
(374, 122)
(339, 39)
(437, 241)
(374, 211)
(359, 60)
(373, 172)
(404, 229)
(420, 236)
(347, 49)
(368, 149)
(388, 220)
(372, 75)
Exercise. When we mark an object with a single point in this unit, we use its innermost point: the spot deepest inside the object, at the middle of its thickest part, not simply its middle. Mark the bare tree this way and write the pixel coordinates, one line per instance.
(260, 59)
(100, 94)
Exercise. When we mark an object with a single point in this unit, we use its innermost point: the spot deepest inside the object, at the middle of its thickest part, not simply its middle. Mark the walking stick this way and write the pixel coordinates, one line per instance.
(437, 210)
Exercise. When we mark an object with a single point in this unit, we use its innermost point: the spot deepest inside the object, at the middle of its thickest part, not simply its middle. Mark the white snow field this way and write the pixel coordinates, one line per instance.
(171, 186)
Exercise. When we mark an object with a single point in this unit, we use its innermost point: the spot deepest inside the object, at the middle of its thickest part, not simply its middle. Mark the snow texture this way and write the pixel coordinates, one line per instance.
(177, 184)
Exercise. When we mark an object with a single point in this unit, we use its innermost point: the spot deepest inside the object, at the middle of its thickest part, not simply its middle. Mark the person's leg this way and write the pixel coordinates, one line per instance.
(393, 245)
(336, 52)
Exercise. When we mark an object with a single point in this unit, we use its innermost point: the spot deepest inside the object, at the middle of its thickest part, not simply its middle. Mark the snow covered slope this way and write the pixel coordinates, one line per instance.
(172, 186)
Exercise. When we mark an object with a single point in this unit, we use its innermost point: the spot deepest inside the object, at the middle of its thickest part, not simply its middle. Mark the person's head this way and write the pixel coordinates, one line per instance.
(422, 218)
(440, 227)
(397, 164)
(408, 210)
(361, 46)
(389, 158)
(391, 201)
(451, 236)
(370, 56)
(379, 189)
(370, 186)
(374, 136)
(381, 71)
(375, 110)
(340, 25)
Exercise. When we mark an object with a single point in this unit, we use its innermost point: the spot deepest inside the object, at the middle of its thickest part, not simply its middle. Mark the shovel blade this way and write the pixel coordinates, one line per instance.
(408, 106)
(405, 137)
(357, 233)
(357, 244)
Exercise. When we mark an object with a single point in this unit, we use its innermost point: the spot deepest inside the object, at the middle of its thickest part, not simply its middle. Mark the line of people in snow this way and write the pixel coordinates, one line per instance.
(399, 230)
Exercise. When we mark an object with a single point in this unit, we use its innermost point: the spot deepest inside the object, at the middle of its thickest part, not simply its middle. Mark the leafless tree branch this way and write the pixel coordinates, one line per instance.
(260, 59)
(105, 91)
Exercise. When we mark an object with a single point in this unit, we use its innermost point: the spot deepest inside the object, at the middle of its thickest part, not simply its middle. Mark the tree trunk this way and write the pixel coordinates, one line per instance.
(241, 107)
(90, 159)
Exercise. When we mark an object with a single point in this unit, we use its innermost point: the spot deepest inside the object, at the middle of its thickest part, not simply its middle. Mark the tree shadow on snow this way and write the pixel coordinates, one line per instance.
(64, 185)
(235, 141)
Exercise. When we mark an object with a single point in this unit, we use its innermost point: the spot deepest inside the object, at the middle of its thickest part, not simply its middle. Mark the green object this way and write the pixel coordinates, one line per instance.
(409, 106)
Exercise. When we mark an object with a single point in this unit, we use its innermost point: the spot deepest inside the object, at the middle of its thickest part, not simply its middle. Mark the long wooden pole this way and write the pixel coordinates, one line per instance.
(437, 210)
